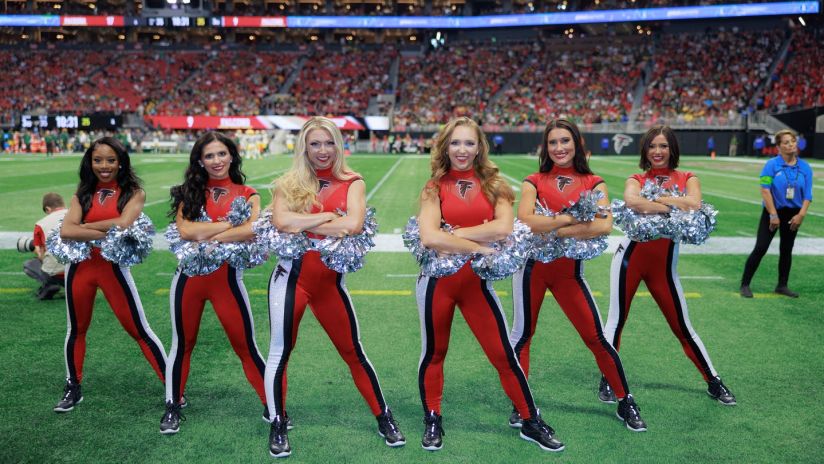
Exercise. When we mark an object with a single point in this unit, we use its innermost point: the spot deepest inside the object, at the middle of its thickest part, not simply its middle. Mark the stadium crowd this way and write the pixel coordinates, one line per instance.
(712, 77)
(799, 82)
(709, 75)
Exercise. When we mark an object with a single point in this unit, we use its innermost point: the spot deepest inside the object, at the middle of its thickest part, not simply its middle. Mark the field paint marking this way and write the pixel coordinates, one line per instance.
(383, 179)
(40, 189)
(8, 291)
(761, 295)
(269, 174)
(12, 273)
(515, 182)
(748, 201)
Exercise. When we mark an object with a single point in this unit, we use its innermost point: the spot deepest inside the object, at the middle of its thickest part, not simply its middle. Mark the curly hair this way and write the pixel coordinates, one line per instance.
(192, 192)
(126, 179)
(492, 185)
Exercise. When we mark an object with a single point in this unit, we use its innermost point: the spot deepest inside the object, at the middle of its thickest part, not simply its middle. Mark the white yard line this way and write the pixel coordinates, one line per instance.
(383, 179)
(516, 184)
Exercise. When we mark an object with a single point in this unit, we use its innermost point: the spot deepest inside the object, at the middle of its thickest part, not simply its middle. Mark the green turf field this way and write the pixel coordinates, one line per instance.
(767, 349)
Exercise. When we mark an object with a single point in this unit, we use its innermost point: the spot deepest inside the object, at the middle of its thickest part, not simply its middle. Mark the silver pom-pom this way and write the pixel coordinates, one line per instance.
(346, 254)
(575, 248)
(639, 227)
(546, 247)
(282, 244)
(693, 227)
(194, 258)
(652, 190)
(129, 246)
(432, 264)
(67, 251)
(239, 212)
(244, 255)
(510, 254)
(587, 207)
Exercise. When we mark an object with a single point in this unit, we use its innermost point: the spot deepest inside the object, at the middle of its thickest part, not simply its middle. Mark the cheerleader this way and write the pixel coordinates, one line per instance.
(563, 174)
(307, 199)
(656, 262)
(108, 194)
(466, 192)
(212, 181)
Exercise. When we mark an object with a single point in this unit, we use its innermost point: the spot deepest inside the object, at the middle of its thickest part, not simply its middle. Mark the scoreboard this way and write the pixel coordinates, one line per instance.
(95, 121)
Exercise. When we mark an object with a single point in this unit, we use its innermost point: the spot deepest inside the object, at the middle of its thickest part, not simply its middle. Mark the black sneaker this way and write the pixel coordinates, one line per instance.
(720, 392)
(388, 429)
(279, 439)
(629, 413)
(184, 403)
(170, 422)
(432, 432)
(268, 419)
(537, 431)
(784, 290)
(605, 393)
(515, 420)
(745, 291)
(71, 396)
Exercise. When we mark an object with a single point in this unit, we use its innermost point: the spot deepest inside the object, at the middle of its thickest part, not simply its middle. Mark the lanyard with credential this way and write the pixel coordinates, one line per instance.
(790, 192)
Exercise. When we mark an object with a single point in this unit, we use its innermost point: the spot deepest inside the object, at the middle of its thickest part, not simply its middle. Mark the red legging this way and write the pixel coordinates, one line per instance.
(482, 310)
(656, 263)
(294, 284)
(564, 277)
(225, 290)
(82, 281)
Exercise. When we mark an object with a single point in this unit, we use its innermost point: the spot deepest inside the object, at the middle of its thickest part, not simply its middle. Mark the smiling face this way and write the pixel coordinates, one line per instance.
(105, 163)
(561, 147)
(216, 160)
(320, 149)
(658, 152)
(463, 148)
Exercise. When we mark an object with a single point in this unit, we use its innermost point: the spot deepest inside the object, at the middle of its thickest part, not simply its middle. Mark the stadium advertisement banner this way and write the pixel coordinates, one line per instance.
(92, 21)
(441, 22)
(244, 122)
(253, 21)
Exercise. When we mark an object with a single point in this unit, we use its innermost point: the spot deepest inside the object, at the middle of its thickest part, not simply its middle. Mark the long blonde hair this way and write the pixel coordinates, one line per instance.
(492, 185)
(299, 185)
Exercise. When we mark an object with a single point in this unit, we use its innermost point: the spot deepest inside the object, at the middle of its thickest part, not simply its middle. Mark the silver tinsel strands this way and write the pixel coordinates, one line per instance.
(239, 212)
(282, 244)
(194, 258)
(432, 264)
(636, 226)
(129, 246)
(652, 191)
(584, 249)
(510, 254)
(546, 247)
(346, 254)
(691, 227)
(67, 251)
(587, 207)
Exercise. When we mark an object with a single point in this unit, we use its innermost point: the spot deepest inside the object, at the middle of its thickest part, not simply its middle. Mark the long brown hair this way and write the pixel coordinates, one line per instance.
(579, 160)
(492, 185)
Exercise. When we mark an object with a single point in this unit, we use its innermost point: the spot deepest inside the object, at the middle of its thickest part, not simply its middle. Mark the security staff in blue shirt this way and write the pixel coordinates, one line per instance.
(787, 190)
